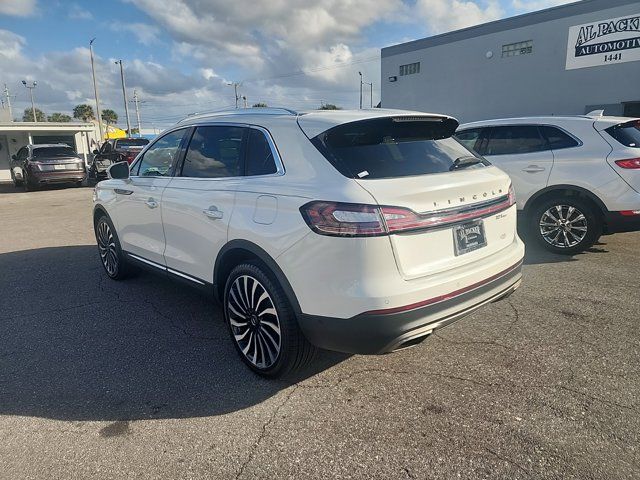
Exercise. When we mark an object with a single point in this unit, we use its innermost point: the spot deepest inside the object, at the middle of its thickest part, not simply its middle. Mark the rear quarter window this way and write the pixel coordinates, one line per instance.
(390, 147)
(628, 134)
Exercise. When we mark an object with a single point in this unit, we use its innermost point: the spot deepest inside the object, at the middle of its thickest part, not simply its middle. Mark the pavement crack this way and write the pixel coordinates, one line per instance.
(509, 461)
(263, 432)
(473, 342)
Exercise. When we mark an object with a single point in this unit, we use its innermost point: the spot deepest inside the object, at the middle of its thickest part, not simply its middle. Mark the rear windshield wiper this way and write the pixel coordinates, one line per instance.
(463, 162)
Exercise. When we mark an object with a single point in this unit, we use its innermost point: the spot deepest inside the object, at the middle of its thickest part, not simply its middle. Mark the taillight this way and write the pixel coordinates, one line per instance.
(633, 163)
(357, 220)
(343, 219)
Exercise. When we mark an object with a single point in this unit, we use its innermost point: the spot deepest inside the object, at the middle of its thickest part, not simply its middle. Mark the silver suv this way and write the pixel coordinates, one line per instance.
(575, 178)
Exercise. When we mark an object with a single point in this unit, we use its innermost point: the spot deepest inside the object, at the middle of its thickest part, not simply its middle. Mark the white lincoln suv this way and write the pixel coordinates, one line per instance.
(575, 178)
(356, 231)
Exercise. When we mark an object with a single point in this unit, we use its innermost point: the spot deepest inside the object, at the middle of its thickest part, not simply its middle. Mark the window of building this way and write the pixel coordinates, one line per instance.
(519, 48)
(409, 69)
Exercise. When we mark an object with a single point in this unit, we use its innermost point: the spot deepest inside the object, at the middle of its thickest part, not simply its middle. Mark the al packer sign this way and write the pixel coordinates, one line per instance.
(604, 42)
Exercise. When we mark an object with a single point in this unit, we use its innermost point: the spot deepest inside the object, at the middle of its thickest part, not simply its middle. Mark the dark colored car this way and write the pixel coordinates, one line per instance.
(37, 165)
(113, 151)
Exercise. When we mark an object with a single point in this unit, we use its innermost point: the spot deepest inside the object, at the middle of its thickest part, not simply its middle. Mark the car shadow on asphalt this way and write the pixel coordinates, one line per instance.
(78, 346)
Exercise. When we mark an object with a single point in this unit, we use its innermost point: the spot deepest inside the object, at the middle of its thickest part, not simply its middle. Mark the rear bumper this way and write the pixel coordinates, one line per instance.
(56, 177)
(616, 222)
(385, 331)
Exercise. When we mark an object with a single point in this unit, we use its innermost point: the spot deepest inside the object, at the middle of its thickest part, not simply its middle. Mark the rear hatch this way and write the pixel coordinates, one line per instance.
(624, 138)
(443, 206)
(53, 159)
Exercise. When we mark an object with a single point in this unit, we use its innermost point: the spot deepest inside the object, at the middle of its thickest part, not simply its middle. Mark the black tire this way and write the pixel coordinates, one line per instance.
(111, 257)
(249, 318)
(92, 175)
(26, 183)
(565, 225)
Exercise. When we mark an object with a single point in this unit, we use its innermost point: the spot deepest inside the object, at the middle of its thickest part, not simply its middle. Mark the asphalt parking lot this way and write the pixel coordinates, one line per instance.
(100, 379)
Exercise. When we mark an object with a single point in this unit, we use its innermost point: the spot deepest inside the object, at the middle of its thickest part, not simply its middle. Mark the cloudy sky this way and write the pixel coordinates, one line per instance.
(180, 54)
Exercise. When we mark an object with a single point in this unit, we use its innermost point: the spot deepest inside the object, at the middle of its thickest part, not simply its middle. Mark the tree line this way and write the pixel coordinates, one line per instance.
(85, 113)
(82, 112)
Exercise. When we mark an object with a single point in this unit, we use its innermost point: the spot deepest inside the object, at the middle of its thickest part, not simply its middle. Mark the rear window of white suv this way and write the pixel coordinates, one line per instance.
(393, 147)
(628, 134)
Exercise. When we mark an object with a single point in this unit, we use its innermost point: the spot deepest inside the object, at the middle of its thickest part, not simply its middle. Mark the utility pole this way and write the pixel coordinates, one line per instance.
(95, 90)
(31, 87)
(235, 89)
(136, 101)
(371, 91)
(8, 100)
(360, 73)
(124, 95)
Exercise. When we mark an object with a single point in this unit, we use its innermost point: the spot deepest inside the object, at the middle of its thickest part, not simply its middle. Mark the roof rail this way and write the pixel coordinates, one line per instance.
(241, 111)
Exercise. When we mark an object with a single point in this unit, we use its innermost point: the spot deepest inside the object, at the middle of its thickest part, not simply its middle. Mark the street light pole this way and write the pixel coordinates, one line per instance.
(235, 90)
(8, 97)
(136, 101)
(124, 95)
(95, 89)
(371, 92)
(33, 106)
(360, 73)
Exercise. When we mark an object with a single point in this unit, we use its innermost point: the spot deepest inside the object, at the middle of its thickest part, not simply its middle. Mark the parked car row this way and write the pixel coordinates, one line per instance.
(34, 166)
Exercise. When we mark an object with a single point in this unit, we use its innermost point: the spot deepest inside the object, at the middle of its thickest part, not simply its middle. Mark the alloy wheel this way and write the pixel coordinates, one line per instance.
(254, 321)
(107, 247)
(563, 226)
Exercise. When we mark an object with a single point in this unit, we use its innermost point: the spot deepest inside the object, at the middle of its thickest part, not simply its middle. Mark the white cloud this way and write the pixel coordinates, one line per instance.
(10, 44)
(78, 13)
(533, 5)
(446, 15)
(145, 33)
(20, 8)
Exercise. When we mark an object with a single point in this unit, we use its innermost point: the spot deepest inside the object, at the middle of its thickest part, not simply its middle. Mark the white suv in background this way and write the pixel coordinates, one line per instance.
(357, 231)
(575, 178)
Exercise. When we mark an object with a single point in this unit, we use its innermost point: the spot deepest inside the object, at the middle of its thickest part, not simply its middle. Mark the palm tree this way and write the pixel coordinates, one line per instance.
(109, 116)
(27, 116)
(59, 117)
(83, 112)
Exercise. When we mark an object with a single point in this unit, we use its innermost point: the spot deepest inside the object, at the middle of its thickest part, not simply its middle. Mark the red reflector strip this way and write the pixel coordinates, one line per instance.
(446, 296)
(630, 213)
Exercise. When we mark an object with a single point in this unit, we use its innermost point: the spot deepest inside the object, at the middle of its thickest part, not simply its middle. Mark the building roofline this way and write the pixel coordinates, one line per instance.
(519, 21)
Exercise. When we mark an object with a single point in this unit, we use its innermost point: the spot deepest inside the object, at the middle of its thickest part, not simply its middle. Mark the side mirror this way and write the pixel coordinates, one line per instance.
(119, 171)
(95, 152)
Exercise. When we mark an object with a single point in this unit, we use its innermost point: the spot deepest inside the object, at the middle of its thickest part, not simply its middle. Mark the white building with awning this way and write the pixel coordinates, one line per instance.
(14, 135)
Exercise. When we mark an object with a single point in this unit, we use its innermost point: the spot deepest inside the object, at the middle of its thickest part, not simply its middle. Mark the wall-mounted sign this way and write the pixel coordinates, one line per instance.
(604, 42)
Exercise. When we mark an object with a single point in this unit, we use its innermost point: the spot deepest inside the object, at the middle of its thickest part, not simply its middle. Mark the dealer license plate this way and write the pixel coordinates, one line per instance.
(59, 167)
(469, 237)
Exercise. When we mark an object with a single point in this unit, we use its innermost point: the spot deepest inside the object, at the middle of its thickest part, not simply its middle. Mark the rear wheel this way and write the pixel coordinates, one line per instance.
(566, 225)
(111, 256)
(26, 183)
(263, 325)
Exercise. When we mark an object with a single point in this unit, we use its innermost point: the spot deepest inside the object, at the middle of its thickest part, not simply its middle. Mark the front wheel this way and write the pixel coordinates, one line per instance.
(263, 325)
(565, 225)
(111, 255)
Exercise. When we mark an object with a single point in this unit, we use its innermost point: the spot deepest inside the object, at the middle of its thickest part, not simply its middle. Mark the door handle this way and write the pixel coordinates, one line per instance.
(213, 213)
(151, 203)
(121, 191)
(533, 169)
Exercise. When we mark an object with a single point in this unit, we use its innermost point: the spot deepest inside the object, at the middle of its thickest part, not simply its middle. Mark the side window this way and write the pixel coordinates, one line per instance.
(215, 152)
(558, 139)
(468, 138)
(260, 159)
(160, 159)
(515, 140)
